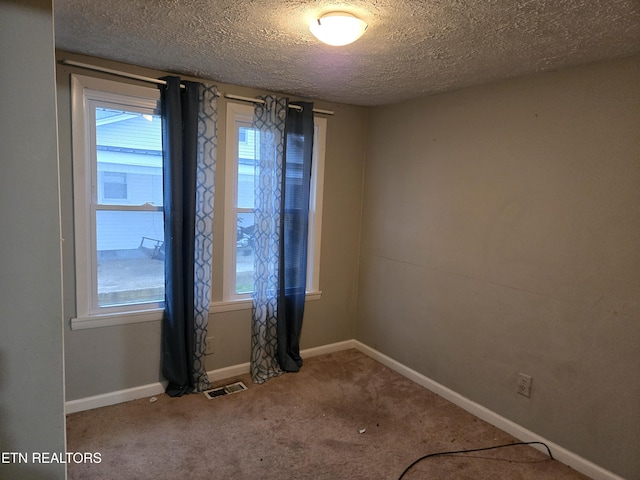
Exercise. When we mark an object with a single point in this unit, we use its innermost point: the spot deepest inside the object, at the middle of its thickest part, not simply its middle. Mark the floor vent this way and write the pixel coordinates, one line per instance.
(226, 390)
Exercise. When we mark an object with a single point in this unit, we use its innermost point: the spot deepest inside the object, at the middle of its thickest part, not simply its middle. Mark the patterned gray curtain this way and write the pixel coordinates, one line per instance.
(205, 183)
(269, 122)
(189, 144)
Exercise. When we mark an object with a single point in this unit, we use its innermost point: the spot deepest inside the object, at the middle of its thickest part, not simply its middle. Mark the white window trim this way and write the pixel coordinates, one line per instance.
(231, 300)
(315, 204)
(85, 89)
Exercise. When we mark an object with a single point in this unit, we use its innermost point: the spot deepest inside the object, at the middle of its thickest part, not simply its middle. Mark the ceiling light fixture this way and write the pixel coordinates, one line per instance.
(338, 28)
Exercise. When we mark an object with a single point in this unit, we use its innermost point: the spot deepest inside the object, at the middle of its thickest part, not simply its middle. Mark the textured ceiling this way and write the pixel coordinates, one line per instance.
(412, 48)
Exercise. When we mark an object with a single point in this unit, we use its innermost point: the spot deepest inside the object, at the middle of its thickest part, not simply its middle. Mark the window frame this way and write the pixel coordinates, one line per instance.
(242, 113)
(85, 91)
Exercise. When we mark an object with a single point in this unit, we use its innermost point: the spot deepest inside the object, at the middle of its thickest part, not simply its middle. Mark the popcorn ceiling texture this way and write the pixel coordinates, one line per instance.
(412, 48)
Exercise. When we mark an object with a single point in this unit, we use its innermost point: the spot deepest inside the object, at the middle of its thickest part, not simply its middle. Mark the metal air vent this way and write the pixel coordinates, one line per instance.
(226, 390)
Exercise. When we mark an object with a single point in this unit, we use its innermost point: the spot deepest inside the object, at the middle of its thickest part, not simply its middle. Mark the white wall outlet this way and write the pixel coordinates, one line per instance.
(208, 349)
(523, 386)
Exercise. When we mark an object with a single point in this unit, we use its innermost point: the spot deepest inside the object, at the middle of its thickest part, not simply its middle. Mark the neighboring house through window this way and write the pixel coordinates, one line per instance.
(118, 216)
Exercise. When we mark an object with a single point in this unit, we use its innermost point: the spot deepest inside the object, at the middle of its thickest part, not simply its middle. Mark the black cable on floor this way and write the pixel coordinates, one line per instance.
(474, 450)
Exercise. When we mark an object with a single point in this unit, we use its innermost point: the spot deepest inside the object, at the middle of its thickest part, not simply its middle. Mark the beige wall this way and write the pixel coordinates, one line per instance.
(107, 359)
(501, 234)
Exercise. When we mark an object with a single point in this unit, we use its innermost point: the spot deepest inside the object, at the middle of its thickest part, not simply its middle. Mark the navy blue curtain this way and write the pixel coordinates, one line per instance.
(294, 227)
(179, 138)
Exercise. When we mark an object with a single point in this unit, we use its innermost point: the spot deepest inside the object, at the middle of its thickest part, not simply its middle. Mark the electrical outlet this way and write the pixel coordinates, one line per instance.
(523, 386)
(208, 349)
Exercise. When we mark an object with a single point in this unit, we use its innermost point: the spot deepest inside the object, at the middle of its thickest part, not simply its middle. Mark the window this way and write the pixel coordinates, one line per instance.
(239, 187)
(118, 216)
(114, 186)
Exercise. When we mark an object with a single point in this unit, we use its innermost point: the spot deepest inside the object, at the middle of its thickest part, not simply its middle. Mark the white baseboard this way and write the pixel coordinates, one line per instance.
(235, 370)
(561, 454)
(113, 398)
(129, 394)
(324, 349)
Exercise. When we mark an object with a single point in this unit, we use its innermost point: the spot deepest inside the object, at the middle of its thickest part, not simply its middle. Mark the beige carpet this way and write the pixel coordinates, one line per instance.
(344, 416)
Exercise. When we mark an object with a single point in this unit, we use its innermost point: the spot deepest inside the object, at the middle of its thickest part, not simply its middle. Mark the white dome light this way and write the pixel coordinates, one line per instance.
(338, 28)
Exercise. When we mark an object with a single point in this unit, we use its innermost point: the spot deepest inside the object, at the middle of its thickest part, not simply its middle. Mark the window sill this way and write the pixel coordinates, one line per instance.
(112, 319)
(155, 315)
(247, 303)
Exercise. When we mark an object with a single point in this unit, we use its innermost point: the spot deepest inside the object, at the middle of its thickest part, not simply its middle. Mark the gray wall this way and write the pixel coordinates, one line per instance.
(31, 368)
(501, 233)
(108, 359)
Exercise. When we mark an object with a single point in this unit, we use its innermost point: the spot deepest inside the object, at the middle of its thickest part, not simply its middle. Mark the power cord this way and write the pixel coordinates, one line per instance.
(474, 450)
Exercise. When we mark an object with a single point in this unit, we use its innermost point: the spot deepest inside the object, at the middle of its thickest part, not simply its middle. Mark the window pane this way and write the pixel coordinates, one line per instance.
(244, 253)
(130, 256)
(129, 156)
(246, 167)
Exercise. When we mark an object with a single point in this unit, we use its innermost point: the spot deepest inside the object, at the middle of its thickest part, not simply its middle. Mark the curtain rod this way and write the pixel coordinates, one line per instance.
(258, 100)
(158, 81)
(95, 68)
